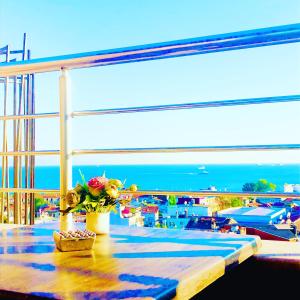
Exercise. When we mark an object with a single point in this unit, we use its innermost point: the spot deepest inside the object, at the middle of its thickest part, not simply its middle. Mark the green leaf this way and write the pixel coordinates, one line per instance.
(82, 177)
(85, 202)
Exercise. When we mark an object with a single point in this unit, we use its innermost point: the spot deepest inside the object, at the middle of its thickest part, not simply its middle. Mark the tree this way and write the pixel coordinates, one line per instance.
(236, 202)
(223, 202)
(262, 185)
(39, 202)
(172, 200)
(249, 187)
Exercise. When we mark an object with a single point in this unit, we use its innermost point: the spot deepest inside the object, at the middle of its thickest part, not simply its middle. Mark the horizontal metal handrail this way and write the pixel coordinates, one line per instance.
(28, 191)
(214, 193)
(30, 153)
(4, 50)
(160, 150)
(186, 47)
(28, 117)
(193, 105)
(17, 51)
(166, 193)
(190, 149)
(137, 109)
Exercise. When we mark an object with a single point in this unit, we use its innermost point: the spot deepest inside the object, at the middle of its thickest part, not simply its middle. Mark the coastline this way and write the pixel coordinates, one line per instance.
(189, 177)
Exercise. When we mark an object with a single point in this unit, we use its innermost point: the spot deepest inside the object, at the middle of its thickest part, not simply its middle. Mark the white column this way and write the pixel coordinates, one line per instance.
(66, 222)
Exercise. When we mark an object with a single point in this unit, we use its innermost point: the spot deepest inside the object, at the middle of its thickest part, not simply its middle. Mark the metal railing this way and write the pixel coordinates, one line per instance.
(190, 149)
(159, 150)
(187, 47)
(153, 108)
(56, 193)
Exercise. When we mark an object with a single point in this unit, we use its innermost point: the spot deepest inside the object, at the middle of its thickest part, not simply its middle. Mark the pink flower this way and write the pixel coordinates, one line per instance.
(97, 184)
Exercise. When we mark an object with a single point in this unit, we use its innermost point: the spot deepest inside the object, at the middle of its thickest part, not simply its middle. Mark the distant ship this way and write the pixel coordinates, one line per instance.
(202, 170)
(211, 188)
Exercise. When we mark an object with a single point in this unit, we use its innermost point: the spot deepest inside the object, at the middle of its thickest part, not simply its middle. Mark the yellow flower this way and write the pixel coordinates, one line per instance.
(78, 188)
(72, 198)
(112, 192)
(133, 188)
(116, 182)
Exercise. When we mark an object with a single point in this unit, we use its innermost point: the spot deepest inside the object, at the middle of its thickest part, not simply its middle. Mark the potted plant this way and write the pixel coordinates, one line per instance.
(98, 197)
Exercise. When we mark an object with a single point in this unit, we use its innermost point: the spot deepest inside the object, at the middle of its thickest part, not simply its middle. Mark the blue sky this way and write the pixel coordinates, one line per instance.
(63, 27)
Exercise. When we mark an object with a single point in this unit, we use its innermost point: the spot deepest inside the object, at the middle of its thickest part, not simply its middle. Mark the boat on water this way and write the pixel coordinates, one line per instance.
(202, 170)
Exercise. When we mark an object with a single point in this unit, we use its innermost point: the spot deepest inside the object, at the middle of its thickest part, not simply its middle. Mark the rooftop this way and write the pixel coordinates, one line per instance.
(150, 210)
(251, 211)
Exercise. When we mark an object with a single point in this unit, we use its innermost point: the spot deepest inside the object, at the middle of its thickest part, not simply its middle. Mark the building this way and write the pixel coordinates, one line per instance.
(270, 201)
(204, 201)
(275, 232)
(188, 201)
(260, 215)
(208, 223)
(150, 214)
(188, 206)
(197, 223)
(291, 188)
(50, 211)
(175, 223)
(188, 211)
(128, 216)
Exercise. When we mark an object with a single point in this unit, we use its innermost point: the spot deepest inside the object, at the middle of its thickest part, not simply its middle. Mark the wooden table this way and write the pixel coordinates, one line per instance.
(131, 263)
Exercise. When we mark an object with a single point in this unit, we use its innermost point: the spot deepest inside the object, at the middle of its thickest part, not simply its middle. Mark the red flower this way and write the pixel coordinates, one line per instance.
(96, 185)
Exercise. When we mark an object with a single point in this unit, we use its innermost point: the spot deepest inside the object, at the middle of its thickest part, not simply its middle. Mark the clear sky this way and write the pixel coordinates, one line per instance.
(57, 27)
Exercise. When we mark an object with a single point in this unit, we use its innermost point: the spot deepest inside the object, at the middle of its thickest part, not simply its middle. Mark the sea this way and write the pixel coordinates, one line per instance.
(191, 177)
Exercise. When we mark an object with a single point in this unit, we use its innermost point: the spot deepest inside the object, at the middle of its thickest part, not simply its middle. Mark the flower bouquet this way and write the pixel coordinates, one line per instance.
(98, 197)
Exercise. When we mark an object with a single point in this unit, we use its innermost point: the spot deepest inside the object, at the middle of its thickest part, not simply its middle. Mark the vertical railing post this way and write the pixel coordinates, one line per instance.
(65, 147)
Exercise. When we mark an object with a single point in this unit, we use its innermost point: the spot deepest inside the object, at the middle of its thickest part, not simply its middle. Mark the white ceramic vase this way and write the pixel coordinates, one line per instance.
(98, 222)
